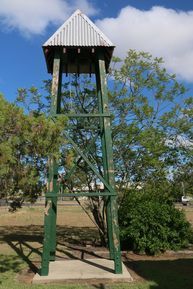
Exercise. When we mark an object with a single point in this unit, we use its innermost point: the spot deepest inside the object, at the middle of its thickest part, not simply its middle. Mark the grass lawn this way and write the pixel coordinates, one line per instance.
(21, 236)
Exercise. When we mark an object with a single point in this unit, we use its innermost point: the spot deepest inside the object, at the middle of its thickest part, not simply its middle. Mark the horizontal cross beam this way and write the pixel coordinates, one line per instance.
(84, 115)
(80, 194)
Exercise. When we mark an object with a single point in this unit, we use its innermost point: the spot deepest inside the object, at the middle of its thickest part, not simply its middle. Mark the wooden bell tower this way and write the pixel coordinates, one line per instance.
(78, 47)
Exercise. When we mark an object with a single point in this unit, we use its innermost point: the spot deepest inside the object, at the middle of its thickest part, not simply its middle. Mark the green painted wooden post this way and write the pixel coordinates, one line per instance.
(53, 212)
(105, 166)
(112, 217)
(55, 108)
(47, 227)
(49, 244)
(46, 243)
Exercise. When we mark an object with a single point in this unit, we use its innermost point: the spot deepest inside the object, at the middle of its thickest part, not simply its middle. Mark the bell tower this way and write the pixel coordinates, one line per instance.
(79, 47)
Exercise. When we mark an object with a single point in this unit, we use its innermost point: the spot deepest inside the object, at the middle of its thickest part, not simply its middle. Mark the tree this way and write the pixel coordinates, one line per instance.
(150, 117)
(149, 106)
(26, 141)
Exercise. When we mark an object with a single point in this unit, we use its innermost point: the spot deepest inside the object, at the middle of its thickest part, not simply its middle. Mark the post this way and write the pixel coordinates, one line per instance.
(105, 166)
(112, 217)
(49, 244)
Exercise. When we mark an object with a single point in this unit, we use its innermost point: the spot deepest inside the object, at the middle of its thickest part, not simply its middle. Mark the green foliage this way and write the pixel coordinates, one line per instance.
(151, 118)
(26, 142)
(150, 224)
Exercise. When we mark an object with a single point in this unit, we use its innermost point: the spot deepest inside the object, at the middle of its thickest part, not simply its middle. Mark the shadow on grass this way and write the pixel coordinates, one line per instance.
(33, 233)
(27, 241)
(166, 274)
(100, 286)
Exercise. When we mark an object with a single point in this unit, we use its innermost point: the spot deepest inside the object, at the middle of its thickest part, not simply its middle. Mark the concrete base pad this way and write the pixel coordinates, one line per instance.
(85, 269)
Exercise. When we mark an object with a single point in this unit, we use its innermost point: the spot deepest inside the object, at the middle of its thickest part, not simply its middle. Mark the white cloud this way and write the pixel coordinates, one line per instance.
(160, 31)
(33, 16)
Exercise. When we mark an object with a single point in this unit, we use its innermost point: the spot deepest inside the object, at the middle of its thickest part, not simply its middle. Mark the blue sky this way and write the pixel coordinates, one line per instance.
(164, 28)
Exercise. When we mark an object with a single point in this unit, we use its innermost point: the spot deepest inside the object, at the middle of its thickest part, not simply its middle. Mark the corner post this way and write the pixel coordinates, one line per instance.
(105, 165)
(112, 217)
(49, 243)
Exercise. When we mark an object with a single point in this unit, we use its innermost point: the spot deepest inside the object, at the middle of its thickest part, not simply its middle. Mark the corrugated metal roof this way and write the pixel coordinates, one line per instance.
(78, 30)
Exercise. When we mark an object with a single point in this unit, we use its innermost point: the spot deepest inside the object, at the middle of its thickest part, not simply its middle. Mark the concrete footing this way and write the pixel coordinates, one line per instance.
(86, 269)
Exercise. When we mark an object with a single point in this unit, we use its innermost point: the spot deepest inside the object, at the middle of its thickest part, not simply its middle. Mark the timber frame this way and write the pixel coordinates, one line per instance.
(97, 62)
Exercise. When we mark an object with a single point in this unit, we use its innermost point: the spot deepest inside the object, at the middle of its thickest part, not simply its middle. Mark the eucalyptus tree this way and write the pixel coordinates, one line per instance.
(26, 141)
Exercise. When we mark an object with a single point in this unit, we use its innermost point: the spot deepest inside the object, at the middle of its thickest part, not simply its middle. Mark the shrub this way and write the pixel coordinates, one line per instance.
(150, 225)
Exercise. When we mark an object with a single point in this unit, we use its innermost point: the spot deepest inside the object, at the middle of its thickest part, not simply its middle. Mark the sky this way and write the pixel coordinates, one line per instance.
(164, 28)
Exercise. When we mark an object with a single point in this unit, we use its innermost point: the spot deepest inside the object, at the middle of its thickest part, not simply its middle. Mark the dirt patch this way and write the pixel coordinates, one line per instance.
(26, 276)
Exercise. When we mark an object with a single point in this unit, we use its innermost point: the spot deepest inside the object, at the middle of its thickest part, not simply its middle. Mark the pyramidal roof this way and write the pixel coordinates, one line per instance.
(78, 30)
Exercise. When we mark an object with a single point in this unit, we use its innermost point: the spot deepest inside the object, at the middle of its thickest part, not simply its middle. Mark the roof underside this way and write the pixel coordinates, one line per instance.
(78, 30)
